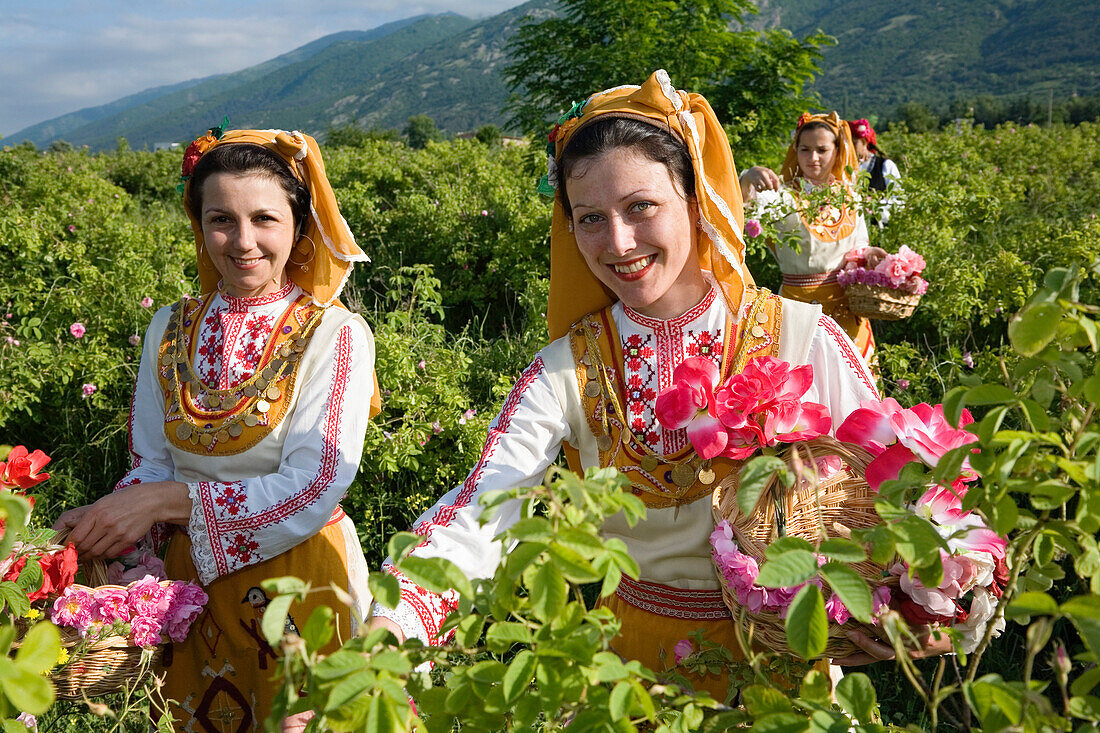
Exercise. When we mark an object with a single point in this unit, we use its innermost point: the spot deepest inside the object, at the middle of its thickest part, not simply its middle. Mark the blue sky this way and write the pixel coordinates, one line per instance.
(57, 57)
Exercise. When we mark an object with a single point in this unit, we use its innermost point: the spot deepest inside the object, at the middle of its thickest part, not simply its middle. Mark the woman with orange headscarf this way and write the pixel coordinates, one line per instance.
(247, 421)
(646, 271)
(820, 156)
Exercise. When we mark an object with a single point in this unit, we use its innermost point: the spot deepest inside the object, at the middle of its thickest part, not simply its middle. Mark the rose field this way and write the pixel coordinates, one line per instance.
(1008, 332)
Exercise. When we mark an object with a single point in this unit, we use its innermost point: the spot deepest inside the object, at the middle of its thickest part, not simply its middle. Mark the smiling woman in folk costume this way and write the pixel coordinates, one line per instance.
(247, 420)
(821, 155)
(646, 271)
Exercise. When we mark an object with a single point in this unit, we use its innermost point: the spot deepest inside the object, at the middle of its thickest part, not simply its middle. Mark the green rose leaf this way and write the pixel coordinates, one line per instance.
(754, 477)
(806, 625)
(851, 588)
(519, 675)
(856, 695)
(385, 588)
(789, 569)
(1034, 327)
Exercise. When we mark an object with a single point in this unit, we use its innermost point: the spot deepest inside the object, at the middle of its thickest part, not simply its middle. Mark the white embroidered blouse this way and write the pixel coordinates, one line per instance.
(260, 503)
(671, 545)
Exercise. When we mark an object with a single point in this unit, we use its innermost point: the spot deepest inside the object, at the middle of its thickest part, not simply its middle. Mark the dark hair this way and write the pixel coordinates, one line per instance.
(610, 133)
(250, 158)
(815, 125)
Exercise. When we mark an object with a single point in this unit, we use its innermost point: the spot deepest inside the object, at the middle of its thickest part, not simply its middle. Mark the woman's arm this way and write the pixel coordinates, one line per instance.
(148, 497)
(523, 440)
(758, 178)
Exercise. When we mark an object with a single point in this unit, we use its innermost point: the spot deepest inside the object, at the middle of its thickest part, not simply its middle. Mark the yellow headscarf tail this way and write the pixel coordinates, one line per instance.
(574, 289)
(846, 163)
(326, 263)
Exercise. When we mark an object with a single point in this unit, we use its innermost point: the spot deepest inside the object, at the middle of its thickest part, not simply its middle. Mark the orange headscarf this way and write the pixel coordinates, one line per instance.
(845, 164)
(574, 289)
(328, 249)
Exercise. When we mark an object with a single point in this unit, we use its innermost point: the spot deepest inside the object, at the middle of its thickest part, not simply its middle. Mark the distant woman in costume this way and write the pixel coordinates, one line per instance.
(820, 156)
(247, 421)
(883, 172)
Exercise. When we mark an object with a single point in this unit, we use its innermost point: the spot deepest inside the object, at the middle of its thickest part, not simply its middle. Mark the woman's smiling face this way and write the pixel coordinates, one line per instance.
(248, 231)
(636, 231)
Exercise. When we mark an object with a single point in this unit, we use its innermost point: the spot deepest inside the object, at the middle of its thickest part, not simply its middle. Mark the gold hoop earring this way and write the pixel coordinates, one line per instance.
(304, 264)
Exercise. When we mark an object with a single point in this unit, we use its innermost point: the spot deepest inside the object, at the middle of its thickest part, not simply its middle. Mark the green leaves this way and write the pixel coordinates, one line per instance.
(806, 625)
(1034, 327)
(856, 695)
(755, 476)
(788, 569)
(851, 588)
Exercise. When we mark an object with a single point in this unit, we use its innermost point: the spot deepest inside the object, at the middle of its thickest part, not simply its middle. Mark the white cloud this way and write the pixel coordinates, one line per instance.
(64, 56)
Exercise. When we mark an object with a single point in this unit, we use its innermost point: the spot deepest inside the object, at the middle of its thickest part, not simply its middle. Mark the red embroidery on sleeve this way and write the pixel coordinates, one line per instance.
(848, 352)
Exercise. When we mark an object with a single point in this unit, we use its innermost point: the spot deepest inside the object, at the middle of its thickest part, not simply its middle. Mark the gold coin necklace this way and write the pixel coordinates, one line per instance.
(251, 399)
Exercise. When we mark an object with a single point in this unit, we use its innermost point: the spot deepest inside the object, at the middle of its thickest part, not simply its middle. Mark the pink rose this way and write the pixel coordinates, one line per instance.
(74, 607)
(792, 420)
(146, 302)
(135, 339)
(689, 403)
(145, 631)
(836, 610)
(682, 650)
(78, 330)
(753, 228)
(188, 600)
(88, 389)
(111, 604)
(148, 598)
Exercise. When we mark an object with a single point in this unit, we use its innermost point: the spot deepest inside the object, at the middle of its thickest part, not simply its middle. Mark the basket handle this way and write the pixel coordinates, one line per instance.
(95, 569)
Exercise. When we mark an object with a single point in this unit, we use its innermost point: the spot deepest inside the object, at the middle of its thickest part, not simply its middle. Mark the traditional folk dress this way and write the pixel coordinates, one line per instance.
(552, 408)
(259, 405)
(809, 273)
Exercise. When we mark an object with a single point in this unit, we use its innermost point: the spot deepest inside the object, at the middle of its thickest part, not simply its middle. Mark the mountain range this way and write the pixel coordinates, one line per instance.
(449, 67)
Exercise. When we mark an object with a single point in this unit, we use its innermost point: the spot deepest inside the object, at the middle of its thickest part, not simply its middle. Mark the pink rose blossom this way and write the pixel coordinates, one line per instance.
(88, 389)
(467, 416)
(880, 599)
(753, 228)
(135, 340)
(144, 564)
(112, 604)
(188, 600)
(72, 228)
(421, 364)
(689, 403)
(74, 607)
(682, 650)
(836, 610)
(145, 631)
(78, 330)
(437, 428)
(146, 302)
(792, 420)
(147, 597)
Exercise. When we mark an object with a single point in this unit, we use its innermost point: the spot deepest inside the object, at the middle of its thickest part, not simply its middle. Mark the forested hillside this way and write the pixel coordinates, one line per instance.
(888, 53)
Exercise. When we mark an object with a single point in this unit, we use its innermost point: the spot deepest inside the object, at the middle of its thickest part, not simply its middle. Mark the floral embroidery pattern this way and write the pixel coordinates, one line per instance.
(242, 548)
(231, 499)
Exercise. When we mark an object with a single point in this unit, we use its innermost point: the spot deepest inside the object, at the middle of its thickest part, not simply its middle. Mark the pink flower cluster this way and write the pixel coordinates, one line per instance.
(739, 571)
(974, 571)
(760, 406)
(146, 609)
(899, 271)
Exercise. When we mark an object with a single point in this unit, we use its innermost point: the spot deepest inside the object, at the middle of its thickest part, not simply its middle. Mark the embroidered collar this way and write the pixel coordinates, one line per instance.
(244, 304)
(684, 318)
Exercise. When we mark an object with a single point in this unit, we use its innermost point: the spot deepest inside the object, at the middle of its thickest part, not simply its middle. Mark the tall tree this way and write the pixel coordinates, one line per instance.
(756, 80)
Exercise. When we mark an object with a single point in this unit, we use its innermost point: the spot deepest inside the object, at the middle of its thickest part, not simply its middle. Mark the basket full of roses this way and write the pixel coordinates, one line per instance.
(888, 291)
(824, 489)
(114, 620)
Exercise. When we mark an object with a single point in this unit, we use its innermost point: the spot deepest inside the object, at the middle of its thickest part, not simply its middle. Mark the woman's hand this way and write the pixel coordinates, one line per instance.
(378, 622)
(758, 178)
(874, 650)
(874, 256)
(117, 521)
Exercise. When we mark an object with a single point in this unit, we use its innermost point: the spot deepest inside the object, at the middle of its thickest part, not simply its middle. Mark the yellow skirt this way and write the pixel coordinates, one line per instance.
(824, 290)
(220, 678)
(654, 617)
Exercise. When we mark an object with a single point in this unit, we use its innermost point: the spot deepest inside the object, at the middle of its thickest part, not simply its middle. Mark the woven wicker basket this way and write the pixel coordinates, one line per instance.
(105, 666)
(885, 304)
(838, 504)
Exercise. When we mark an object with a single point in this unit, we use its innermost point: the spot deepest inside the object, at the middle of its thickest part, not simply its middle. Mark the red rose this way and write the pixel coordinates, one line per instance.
(58, 572)
(190, 158)
(914, 613)
(21, 470)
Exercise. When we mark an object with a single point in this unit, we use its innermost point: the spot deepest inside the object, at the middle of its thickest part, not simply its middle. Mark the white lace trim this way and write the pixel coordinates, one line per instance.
(202, 552)
(404, 616)
(668, 90)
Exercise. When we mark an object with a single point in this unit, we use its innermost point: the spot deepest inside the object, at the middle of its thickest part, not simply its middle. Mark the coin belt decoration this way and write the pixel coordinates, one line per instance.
(205, 417)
